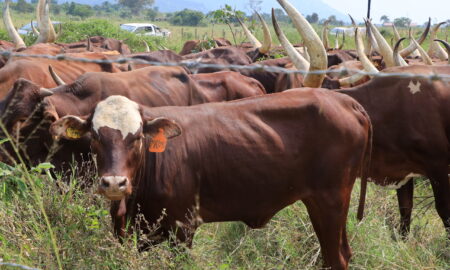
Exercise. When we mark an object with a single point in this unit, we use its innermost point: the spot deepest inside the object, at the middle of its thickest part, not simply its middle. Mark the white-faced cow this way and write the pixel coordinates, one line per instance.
(243, 160)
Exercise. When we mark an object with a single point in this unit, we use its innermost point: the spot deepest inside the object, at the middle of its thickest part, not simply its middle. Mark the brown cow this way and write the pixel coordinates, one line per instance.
(235, 161)
(26, 108)
(98, 42)
(36, 70)
(411, 120)
(194, 46)
(162, 56)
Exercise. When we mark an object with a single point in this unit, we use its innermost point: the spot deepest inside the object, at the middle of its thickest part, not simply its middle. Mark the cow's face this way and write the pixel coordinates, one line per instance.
(21, 102)
(118, 140)
(22, 114)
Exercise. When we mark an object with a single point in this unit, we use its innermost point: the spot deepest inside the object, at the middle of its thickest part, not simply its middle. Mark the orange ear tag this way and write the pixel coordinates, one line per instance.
(158, 143)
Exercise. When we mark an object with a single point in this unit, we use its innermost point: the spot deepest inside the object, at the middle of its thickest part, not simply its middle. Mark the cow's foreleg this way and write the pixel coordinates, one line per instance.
(328, 213)
(405, 204)
(441, 189)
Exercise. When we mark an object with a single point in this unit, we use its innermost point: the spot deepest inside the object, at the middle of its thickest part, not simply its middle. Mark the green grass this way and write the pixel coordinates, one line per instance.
(81, 224)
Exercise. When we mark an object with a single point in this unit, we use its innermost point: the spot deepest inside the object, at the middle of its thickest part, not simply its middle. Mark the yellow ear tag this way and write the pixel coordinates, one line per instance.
(73, 133)
(158, 142)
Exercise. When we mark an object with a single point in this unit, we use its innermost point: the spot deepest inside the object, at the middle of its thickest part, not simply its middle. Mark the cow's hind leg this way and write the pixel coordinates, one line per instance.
(441, 189)
(328, 213)
(405, 204)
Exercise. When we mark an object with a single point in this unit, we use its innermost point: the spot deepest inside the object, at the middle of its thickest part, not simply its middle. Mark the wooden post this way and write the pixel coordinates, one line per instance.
(223, 33)
(182, 33)
(195, 33)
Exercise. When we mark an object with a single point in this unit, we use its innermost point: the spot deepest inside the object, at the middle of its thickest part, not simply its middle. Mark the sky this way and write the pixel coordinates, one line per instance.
(417, 10)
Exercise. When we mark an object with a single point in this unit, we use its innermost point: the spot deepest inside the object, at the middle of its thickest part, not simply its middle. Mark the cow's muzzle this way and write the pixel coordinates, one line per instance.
(114, 187)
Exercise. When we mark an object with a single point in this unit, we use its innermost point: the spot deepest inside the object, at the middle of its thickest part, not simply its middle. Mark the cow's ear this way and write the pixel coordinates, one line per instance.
(69, 127)
(50, 113)
(169, 127)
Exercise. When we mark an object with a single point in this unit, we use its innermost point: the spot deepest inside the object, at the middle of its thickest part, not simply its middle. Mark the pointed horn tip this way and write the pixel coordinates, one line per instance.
(44, 92)
(397, 44)
(55, 76)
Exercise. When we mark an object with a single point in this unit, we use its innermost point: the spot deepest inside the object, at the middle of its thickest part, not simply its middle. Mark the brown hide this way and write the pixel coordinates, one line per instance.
(411, 120)
(244, 161)
(36, 70)
(193, 46)
(100, 43)
(162, 56)
(220, 56)
(152, 86)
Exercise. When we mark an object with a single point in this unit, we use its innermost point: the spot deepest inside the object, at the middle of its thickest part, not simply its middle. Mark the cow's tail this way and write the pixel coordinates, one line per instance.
(365, 168)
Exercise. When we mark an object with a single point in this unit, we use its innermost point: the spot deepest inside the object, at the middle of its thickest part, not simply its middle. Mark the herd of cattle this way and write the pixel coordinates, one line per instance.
(164, 140)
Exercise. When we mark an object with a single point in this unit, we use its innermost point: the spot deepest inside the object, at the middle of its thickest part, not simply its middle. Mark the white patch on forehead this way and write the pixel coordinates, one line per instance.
(117, 112)
(414, 88)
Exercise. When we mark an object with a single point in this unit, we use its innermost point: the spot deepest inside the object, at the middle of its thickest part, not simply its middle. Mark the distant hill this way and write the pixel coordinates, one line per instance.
(306, 7)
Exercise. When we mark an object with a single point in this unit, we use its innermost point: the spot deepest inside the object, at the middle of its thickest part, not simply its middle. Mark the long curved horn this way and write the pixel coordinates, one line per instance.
(88, 44)
(297, 59)
(35, 31)
(55, 76)
(253, 40)
(147, 48)
(43, 26)
(39, 11)
(411, 48)
(372, 44)
(12, 32)
(423, 54)
(312, 41)
(396, 35)
(365, 61)
(45, 15)
(447, 47)
(385, 49)
(343, 41)
(396, 54)
(435, 50)
(267, 41)
(368, 66)
(325, 40)
(336, 41)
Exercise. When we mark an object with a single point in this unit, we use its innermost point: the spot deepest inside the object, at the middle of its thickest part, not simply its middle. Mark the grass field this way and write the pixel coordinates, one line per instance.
(50, 224)
(80, 226)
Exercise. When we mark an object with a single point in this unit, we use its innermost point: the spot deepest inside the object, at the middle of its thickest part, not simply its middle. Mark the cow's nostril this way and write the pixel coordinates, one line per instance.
(104, 183)
(123, 183)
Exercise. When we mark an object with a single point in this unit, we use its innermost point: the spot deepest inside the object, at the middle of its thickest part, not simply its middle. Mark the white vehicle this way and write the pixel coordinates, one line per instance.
(145, 29)
(349, 31)
(26, 29)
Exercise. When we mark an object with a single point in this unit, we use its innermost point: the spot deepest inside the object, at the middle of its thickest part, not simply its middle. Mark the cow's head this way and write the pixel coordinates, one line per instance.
(24, 114)
(120, 135)
(22, 101)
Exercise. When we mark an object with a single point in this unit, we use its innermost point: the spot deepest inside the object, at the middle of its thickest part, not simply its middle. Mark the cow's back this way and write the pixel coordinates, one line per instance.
(248, 159)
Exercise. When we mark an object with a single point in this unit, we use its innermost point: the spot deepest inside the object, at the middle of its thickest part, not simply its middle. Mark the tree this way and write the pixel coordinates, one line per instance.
(136, 5)
(332, 19)
(151, 14)
(82, 11)
(187, 17)
(23, 6)
(402, 22)
(313, 18)
(385, 19)
(228, 16)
